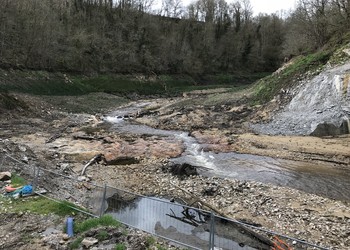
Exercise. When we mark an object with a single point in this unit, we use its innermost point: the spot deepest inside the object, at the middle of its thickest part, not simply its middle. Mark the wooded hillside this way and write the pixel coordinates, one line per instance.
(127, 36)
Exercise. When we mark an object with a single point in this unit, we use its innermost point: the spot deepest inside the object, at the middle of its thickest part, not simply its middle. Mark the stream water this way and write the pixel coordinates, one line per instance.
(329, 181)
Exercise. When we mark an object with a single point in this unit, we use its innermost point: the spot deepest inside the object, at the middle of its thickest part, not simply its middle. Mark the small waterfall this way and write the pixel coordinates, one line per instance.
(113, 119)
(194, 152)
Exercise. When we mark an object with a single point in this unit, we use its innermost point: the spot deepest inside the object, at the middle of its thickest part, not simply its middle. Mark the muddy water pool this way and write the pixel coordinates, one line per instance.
(172, 221)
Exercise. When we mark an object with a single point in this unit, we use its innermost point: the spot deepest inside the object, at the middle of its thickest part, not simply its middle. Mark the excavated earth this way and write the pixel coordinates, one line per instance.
(45, 136)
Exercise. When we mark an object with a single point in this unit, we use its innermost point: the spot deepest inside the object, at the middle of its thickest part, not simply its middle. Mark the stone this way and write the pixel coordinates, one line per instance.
(4, 176)
(83, 178)
(25, 159)
(89, 241)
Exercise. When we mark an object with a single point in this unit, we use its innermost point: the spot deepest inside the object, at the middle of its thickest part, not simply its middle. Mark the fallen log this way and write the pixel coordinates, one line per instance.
(96, 158)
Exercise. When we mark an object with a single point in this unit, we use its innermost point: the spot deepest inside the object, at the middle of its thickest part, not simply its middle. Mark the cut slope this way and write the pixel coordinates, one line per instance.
(320, 107)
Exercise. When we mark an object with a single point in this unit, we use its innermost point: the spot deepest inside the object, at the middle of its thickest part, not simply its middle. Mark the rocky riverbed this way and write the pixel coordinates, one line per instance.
(139, 162)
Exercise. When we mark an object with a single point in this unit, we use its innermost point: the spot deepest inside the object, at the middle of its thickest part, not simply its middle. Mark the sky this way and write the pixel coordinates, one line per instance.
(271, 6)
(258, 6)
(263, 6)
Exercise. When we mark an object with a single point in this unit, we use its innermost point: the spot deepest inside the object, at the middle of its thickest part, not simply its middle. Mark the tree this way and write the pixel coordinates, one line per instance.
(309, 24)
(172, 8)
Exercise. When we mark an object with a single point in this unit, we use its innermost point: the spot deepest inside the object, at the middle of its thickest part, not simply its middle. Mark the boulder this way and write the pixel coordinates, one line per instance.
(325, 129)
(181, 170)
(4, 176)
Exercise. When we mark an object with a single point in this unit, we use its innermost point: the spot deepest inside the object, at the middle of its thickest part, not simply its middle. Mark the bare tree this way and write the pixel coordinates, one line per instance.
(172, 8)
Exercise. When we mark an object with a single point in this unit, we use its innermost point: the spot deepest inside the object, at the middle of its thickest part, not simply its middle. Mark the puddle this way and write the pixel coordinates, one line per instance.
(171, 220)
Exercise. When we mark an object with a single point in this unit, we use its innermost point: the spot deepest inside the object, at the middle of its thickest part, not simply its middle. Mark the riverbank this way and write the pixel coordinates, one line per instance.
(57, 138)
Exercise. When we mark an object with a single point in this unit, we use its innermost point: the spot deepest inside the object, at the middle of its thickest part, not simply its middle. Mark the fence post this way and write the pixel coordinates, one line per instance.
(103, 200)
(211, 231)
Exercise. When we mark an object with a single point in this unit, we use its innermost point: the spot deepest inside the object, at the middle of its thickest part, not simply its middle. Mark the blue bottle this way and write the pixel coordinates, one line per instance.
(70, 226)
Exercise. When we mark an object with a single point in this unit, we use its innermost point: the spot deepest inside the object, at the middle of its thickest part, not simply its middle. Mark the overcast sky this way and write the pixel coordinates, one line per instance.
(271, 6)
(259, 6)
(263, 6)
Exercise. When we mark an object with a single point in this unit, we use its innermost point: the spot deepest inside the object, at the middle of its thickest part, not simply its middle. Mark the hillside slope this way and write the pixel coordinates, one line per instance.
(320, 104)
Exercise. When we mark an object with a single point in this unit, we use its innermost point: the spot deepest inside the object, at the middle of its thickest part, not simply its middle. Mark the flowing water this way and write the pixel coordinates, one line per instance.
(325, 180)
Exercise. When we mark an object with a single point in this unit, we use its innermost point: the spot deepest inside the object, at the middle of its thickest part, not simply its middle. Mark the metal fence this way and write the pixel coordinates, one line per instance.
(187, 226)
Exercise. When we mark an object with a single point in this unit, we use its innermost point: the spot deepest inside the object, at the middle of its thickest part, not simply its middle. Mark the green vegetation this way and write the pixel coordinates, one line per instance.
(120, 246)
(36, 83)
(266, 88)
(102, 235)
(17, 181)
(100, 93)
(90, 103)
(106, 220)
(36, 204)
(76, 85)
(39, 205)
(76, 243)
(150, 241)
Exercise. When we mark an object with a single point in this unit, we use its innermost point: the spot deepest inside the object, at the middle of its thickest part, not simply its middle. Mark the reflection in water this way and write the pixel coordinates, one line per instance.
(173, 221)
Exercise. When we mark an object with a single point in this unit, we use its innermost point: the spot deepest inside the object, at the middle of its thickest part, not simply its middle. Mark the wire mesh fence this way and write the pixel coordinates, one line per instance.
(171, 219)
(189, 226)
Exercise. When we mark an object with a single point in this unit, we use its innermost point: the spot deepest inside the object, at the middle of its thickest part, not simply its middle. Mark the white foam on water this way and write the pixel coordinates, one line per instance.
(113, 119)
(195, 153)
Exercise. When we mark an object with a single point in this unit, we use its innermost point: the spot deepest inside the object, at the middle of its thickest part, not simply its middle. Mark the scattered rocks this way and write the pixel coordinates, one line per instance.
(283, 210)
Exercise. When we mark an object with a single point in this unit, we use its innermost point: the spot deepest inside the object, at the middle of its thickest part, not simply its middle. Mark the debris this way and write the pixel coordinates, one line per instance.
(96, 158)
(16, 192)
(10, 189)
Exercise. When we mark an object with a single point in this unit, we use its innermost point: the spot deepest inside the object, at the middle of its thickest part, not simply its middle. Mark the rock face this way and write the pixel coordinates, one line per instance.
(321, 107)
